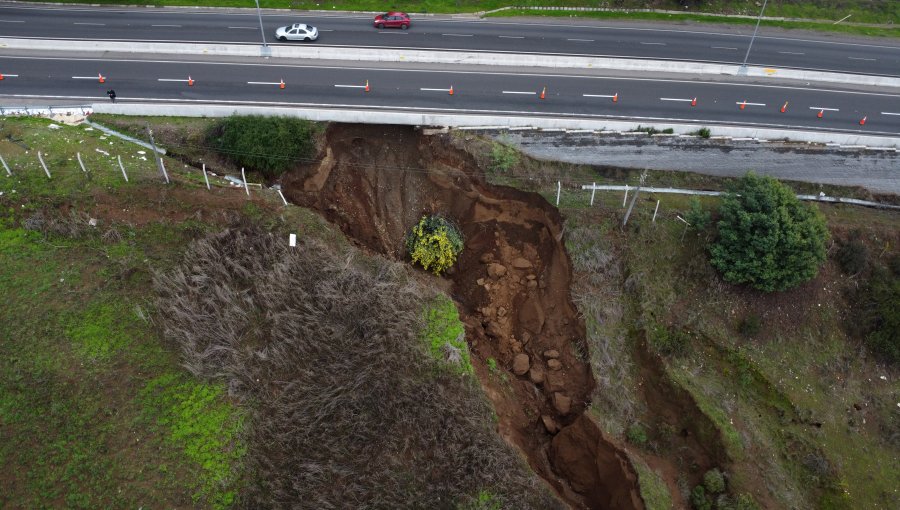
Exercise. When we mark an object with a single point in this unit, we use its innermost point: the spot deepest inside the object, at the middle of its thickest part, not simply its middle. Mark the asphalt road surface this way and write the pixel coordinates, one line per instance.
(551, 37)
(405, 89)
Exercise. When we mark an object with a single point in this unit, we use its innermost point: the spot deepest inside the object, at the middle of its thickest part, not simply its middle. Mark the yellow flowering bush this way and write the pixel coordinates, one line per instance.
(435, 243)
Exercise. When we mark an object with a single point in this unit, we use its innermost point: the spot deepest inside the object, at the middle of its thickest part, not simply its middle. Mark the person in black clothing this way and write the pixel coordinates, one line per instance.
(112, 95)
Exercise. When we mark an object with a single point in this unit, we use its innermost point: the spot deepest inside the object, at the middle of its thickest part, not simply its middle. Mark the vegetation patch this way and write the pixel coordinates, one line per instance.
(101, 330)
(445, 334)
(435, 243)
(268, 145)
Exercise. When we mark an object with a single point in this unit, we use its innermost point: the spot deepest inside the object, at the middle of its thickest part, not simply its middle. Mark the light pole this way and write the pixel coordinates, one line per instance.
(263, 33)
(743, 69)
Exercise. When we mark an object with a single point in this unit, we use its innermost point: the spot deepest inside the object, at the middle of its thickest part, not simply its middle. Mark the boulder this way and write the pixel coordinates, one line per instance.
(551, 354)
(531, 316)
(496, 270)
(521, 363)
(493, 330)
(562, 403)
(554, 364)
(486, 258)
(521, 263)
(536, 375)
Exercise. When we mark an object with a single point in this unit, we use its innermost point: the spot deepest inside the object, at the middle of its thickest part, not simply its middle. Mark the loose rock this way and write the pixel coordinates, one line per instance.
(496, 270)
(521, 263)
(486, 258)
(536, 375)
(550, 424)
(551, 354)
(554, 364)
(562, 403)
(520, 364)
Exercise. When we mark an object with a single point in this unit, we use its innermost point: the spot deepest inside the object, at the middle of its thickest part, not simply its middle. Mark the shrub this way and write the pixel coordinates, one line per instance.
(444, 335)
(853, 256)
(881, 314)
(703, 133)
(699, 499)
(636, 434)
(698, 217)
(767, 238)
(269, 145)
(435, 243)
(669, 342)
(714, 481)
(503, 157)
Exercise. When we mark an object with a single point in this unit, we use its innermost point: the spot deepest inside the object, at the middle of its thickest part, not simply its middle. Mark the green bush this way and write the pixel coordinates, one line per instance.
(767, 238)
(636, 435)
(435, 243)
(714, 481)
(703, 133)
(698, 217)
(669, 342)
(269, 145)
(853, 256)
(881, 314)
(503, 157)
(699, 499)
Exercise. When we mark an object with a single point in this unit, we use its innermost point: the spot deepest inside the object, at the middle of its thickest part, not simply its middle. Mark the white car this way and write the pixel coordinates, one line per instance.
(297, 32)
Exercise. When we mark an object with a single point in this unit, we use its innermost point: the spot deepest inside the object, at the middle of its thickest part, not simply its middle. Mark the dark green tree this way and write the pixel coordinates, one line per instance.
(269, 145)
(767, 238)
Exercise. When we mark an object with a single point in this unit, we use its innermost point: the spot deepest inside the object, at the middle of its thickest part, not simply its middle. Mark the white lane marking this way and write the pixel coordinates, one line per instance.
(175, 26)
(244, 28)
(92, 24)
(826, 109)
(434, 90)
(351, 86)
(890, 113)
(179, 79)
(457, 35)
(518, 92)
(263, 83)
(861, 58)
(595, 95)
(675, 99)
(324, 30)
(653, 43)
(10, 21)
(791, 53)
(511, 36)
(723, 48)
(10, 75)
(581, 40)
(88, 77)
(749, 104)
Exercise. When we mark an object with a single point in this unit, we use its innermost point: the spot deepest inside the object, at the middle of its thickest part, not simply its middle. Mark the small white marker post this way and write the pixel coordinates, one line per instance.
(6, 167)
(46, 171)
(205, 177)
(624, 200)
(280, 194)
(78, 156)
(123, 168)
(654, 212)
(558, 191)
(593, 192)
(244, 176)
(292, 240)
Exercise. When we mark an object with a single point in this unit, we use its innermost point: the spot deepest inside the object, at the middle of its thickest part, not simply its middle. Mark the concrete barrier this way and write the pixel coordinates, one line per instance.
(361, 115)
(445, 57)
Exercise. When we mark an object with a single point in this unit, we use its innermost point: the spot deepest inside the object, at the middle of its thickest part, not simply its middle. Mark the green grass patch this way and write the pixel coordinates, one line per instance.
(654, 491)
(444, 335)
(101, 330)
(205, 427)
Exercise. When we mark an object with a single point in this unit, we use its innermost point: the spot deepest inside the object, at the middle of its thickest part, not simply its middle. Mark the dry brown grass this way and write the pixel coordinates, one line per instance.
(347, 409)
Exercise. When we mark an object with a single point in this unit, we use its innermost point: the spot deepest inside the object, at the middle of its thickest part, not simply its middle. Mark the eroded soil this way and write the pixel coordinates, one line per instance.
(511, 285)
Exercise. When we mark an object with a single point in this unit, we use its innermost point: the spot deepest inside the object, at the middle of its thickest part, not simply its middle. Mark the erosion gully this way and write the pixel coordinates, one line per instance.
(511, 285)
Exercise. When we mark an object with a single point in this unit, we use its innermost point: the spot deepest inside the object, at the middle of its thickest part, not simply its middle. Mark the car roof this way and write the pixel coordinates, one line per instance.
(396, 13)
(300, 25)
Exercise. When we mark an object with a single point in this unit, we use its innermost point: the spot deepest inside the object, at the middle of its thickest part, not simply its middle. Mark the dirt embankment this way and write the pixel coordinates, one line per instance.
(511, 284)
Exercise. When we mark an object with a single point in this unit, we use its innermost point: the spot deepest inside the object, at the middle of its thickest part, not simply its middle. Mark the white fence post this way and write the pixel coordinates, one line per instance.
(78, 155)
(162, 165)
(654, 212)
(244, 176)
(280, 194)
(624, 200)
(205, 178)
(6, 167)
(593, 192)
(46, 171)
(123, 168)
(558, 191)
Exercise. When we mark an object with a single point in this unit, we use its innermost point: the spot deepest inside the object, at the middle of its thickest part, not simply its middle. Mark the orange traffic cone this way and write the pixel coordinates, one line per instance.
(616, 97)
(820, 114)
(863, 121)
(281, 85)
(190, 81)
(784, 107)
(1, 76)
(694, 102)
(451, 90)
(744, 104)
(544, 93)
(367, 85)
(101, 77)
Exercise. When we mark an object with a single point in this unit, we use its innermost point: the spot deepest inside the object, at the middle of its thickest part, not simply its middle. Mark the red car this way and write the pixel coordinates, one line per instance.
(392, 20)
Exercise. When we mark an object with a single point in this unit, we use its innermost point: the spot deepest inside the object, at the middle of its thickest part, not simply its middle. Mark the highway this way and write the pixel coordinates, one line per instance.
(551, 37)
(76, 81)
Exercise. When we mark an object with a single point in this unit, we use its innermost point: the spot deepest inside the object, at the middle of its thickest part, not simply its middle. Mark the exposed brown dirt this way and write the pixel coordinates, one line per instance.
(511, 284)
